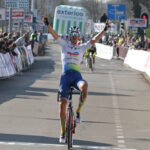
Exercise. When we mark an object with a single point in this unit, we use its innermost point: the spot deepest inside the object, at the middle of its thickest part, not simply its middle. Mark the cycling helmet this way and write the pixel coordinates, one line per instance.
(74, 29)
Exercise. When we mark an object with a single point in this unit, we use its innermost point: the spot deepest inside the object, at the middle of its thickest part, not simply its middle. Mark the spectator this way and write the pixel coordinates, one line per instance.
(33, 38)
(22, 41)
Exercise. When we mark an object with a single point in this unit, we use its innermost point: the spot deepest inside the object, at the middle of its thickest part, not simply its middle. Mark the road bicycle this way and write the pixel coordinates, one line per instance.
(70, 117)
(90, 62)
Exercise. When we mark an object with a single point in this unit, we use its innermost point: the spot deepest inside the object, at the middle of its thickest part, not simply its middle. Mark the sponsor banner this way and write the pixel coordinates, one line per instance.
(88, 26)
(40, 23)
(2, 14)
(28, 18)
(35, 48)
(98, 27)
(66, 16)
(16, 14)
(137, 22)
(104, 51)
(70, 12)
(30, 54)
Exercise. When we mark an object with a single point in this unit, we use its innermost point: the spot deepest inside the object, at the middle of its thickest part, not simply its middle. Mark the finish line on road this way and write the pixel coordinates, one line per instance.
(59, 145)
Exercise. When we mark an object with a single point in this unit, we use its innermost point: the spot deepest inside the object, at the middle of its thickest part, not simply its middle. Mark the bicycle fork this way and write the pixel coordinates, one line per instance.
(72, 120)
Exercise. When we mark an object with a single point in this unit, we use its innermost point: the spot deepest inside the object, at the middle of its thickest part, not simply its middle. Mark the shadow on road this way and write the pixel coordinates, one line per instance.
(96, 122)
(32, 90)
(106, 94)
(128, 109)
(45, 140)
(20, 84)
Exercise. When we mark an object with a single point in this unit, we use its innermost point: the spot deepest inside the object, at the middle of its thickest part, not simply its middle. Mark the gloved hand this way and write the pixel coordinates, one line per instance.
(45, 20)
(107, 25)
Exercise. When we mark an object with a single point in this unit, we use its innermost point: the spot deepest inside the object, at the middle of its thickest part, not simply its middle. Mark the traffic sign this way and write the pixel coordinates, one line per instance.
(116, 11)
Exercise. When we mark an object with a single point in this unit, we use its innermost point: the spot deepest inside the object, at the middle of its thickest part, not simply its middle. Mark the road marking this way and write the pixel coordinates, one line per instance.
(61, 145)
(119, 129)
(121, 141)
(120, 137)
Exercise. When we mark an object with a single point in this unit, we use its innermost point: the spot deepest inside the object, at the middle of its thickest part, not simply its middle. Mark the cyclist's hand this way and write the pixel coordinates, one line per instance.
(45, 20)
(107, 25)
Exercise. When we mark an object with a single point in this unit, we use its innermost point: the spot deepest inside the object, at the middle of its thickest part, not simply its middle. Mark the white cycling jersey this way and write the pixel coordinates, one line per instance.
(72, 56)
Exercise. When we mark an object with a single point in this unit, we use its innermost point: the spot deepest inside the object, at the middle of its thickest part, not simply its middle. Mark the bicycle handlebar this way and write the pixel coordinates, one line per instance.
(73, 91)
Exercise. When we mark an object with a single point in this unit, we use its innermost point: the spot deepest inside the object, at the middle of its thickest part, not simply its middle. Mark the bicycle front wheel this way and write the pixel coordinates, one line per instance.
(90, 62)
(69, 132)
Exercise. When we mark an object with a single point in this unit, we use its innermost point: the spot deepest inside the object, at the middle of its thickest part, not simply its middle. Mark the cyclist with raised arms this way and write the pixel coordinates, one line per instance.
(71, 56)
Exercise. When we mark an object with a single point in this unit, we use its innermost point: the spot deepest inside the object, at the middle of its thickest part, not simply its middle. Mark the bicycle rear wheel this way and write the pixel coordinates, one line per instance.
(90, 63)
(69, 130)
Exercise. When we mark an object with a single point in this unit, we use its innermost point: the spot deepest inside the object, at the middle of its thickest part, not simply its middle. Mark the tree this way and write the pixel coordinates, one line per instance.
(94, 8)
(136, 8)
(146, 3)
(1, 3)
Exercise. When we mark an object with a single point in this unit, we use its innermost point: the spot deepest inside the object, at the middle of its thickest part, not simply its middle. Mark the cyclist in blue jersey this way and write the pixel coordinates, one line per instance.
(71, 56)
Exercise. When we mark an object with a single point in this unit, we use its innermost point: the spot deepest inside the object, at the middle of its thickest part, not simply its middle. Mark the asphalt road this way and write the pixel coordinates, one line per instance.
(116, 115)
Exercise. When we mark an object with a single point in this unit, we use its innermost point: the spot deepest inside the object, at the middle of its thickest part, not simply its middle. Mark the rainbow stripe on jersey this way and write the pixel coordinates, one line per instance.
(70, 66)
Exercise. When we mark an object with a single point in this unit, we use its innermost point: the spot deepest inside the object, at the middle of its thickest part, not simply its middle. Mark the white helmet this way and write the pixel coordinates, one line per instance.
(74, 29)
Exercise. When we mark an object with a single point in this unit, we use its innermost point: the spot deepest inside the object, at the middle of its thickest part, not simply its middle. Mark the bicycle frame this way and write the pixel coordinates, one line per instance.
(90, 61)
(70, 118)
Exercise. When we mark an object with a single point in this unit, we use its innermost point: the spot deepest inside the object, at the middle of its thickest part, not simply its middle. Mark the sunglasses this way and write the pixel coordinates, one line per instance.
(74, 33)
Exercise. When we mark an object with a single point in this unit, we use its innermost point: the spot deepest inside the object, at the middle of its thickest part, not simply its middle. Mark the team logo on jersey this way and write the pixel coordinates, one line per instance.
(75, 54)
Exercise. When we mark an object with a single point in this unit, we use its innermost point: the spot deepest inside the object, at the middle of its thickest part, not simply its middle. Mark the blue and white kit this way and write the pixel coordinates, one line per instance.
(71, 57)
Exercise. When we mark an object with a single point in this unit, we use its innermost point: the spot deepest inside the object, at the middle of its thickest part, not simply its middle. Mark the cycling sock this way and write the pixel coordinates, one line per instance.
(62, 123)
(80, 106)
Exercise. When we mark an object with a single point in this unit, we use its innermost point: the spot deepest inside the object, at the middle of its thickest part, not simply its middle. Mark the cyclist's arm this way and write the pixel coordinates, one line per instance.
(53, 33)
(50, 29)
(99, 35)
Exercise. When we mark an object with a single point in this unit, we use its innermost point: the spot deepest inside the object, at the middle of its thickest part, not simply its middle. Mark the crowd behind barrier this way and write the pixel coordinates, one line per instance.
(140, 42)
(133, 49)
(17, 52)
